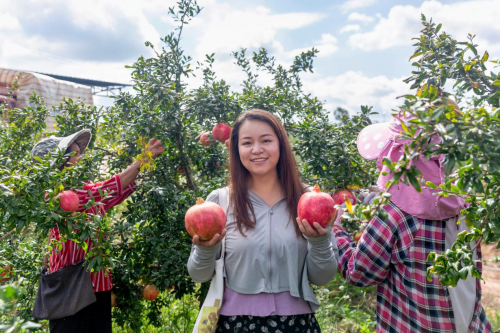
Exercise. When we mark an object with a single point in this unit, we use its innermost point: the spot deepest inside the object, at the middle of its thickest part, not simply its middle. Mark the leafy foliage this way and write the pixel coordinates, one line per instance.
(470, 142)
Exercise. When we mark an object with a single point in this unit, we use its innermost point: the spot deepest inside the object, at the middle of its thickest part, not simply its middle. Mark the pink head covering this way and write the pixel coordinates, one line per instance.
(382, 140)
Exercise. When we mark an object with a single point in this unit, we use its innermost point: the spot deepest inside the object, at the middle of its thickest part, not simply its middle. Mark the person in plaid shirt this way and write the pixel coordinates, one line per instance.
(97, 316)
(392, 251)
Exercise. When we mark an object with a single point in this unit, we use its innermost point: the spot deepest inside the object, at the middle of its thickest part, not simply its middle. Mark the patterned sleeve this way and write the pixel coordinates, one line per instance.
(368, 262)
(110, 192)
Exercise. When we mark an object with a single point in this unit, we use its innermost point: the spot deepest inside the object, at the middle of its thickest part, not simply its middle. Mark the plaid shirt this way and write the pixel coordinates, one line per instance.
(392, 254)
(70, 253)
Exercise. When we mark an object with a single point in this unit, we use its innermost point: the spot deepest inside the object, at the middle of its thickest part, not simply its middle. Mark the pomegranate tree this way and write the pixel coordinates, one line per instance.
(316, 206)
(205, 219)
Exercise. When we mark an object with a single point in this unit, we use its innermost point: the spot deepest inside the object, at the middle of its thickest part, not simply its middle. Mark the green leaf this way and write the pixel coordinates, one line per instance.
(405, 128)
(438, 27)
(485, 57)
(415, 55)
(431, 185)
(472, 48)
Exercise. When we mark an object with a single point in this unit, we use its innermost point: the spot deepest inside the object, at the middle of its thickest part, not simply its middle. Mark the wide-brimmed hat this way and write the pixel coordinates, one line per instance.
(377, 141)
(47, 145)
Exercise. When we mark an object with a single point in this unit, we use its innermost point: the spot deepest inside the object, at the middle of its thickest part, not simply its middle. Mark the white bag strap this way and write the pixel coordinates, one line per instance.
(224, 203)
(216, 291)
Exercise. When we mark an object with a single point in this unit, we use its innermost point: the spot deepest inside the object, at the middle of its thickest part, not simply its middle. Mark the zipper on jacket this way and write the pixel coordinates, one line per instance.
(270, 249)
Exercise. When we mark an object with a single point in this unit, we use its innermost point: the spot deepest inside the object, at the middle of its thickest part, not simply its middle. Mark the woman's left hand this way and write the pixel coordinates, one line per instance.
(309, 231)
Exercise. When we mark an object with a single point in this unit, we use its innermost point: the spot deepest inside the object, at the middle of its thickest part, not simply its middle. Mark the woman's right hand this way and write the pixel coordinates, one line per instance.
(209, 243)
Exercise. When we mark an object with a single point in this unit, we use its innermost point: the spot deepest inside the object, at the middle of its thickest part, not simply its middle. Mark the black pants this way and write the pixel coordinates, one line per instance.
(305, 323)
(95, 318)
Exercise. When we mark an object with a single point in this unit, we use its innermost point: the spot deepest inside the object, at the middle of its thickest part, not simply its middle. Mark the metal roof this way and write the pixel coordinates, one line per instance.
(87, 82)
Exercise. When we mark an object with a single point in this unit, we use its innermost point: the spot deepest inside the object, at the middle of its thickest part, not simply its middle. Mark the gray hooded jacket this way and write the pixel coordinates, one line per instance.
(270, 259)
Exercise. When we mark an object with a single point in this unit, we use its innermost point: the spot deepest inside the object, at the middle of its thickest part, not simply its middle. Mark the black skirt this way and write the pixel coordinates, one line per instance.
(95, 318)
(305, 323)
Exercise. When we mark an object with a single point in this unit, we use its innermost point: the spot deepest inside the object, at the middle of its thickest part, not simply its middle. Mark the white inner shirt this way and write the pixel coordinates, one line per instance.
(463, 296)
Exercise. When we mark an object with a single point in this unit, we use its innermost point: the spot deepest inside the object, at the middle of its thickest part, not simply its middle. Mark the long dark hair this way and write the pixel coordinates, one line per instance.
(288, 174)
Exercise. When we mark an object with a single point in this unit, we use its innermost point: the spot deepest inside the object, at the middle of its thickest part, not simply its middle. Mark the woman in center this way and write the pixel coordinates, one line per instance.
(271, 257)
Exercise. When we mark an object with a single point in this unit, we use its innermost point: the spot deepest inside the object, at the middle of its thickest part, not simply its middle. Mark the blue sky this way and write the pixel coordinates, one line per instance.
(364, 44)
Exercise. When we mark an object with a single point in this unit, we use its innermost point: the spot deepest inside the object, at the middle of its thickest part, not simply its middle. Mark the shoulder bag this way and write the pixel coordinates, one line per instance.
(64, 292)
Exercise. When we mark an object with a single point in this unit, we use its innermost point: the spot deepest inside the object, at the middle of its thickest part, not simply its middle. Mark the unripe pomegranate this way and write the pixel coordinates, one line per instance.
(316, 206)
(205, 219)
(221, 132)
(150, 292)
(205, 138)
(340, 196)
(68, 201)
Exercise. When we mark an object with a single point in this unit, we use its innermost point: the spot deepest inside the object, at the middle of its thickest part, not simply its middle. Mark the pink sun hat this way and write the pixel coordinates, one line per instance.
(373, 139)
(377, 141)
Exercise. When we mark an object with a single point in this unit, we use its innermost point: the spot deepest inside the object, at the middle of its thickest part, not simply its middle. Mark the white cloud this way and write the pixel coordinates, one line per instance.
(226, 29)
(326, 47)
(353, 89)
(478, 17)
(91, 39)
(355, 4)
(360, 17)
(8, 22)
(349, 28)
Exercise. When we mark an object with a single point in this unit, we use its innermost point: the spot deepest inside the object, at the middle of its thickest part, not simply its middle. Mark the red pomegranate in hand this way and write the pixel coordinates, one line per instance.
(150, 292)
(68, 201)
(205, 219)
(340, 196)
(316, 206)
(221, 132)
(205, 138)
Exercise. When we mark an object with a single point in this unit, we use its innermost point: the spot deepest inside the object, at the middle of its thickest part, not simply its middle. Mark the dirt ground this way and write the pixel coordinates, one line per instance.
(491, 276)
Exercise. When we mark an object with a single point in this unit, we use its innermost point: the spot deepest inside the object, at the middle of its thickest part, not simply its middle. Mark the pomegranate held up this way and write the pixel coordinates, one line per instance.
(205, 219)
(316, 206)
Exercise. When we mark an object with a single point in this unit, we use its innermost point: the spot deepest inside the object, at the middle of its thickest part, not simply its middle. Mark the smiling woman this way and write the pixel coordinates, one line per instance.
(270, 260)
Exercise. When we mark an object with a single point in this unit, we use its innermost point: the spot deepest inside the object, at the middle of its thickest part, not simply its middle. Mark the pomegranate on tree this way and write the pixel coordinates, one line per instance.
(5, 275)
(205, 139)
(340, 196)
(316, 206)
(221, 132)
(150, 292)
(113, 299)
(205, 219)
(69, 201)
